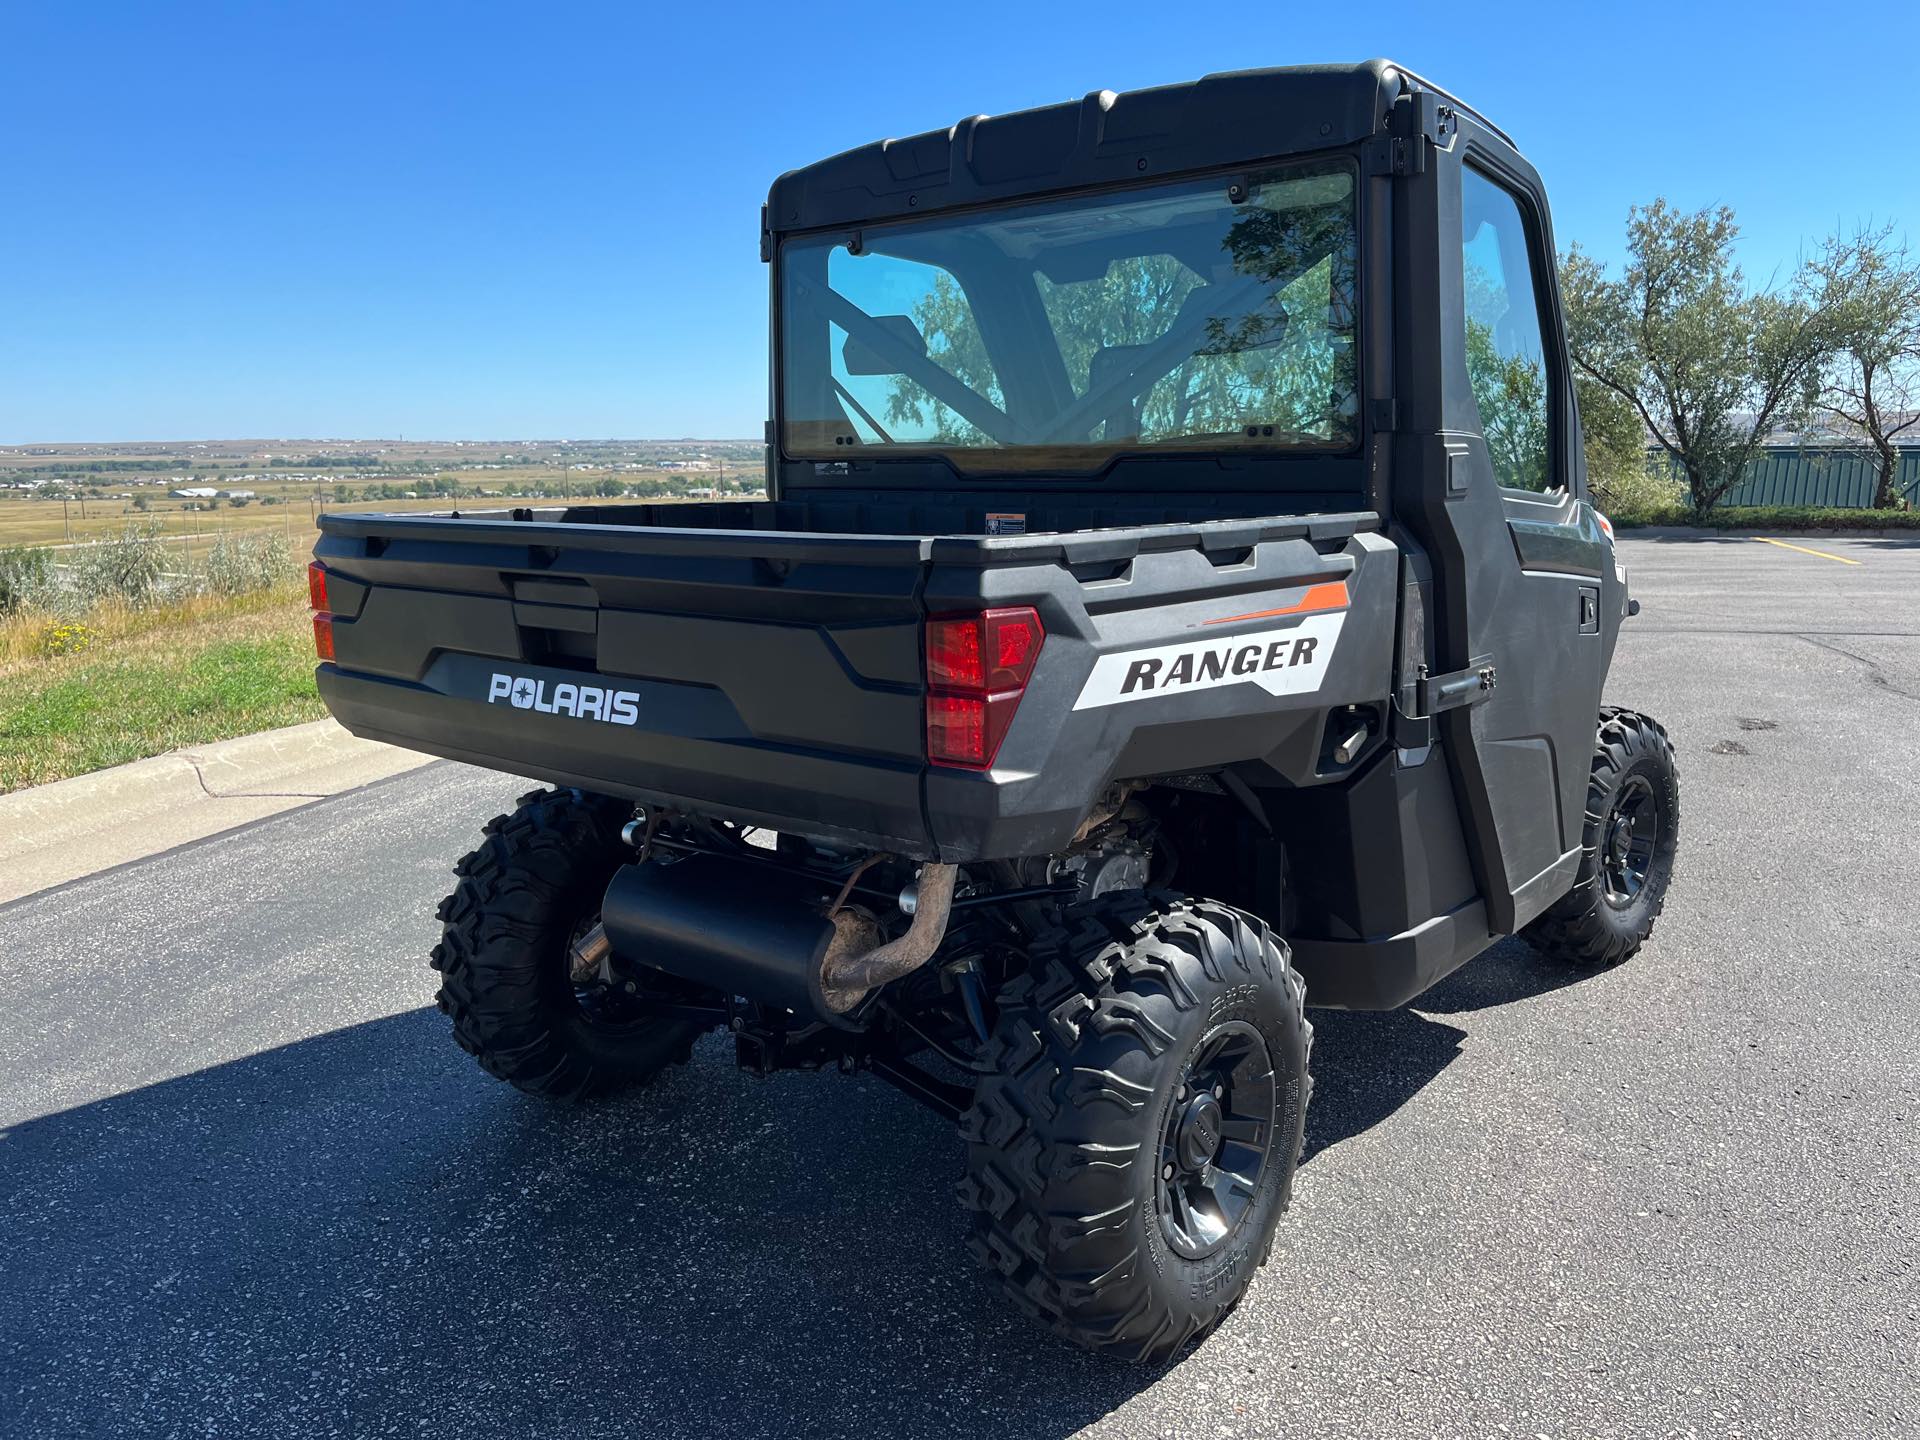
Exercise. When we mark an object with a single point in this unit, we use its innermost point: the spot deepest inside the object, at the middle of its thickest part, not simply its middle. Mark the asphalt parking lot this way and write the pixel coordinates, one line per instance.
(249, 1186)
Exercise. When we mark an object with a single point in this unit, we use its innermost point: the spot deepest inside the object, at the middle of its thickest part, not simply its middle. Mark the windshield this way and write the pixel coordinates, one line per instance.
(1055, 335)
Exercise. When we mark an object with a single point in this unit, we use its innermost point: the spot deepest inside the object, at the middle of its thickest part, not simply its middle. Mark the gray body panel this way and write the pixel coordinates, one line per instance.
(799, 706)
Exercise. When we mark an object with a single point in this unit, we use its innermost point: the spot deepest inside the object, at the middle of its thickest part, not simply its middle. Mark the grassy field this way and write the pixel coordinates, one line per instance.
(89, 492)
(53, 522)
(140, 683)
(121, 683)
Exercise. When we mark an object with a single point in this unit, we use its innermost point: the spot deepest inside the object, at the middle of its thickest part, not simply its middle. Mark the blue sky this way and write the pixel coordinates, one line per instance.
(539, 221)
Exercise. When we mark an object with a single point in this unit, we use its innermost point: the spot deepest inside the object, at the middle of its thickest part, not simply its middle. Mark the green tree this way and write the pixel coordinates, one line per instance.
(1710, 367)
(1869, 287)
(1613, 433)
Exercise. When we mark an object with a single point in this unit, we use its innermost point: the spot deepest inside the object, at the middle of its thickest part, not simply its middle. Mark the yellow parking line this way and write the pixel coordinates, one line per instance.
(1805, 551)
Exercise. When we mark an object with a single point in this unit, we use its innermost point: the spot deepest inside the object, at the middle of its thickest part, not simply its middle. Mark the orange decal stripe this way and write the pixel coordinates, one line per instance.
(1327, 595)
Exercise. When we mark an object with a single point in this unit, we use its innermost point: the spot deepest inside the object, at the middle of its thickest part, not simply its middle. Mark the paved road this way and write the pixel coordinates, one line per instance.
(248, 1186)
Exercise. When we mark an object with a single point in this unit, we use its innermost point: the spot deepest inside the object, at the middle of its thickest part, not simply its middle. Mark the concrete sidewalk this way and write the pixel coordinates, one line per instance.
(55, 833)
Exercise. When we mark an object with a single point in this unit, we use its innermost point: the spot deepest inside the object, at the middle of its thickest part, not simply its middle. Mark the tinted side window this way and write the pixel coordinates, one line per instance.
(1505, 360)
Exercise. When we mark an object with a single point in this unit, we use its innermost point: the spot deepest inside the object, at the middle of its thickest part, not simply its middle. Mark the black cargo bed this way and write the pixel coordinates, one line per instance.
(779, 674)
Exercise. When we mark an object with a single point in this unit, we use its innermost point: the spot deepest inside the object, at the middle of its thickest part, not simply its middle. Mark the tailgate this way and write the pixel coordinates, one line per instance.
(771, 678)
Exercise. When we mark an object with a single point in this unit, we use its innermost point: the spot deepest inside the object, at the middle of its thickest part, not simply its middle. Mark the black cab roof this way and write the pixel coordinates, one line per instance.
(1104, 138)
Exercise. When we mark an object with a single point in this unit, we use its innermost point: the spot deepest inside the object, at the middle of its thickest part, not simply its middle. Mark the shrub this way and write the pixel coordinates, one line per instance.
(1775, 517)
(1649, 495)
(26, 578)
(1807, 517)
(128, 568)
(242, 564)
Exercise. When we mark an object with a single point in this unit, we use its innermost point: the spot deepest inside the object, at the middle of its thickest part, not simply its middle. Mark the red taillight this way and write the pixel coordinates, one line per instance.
(1012, 644)
(977, 668)
(953, 653)
(956, 728)
(322, 618)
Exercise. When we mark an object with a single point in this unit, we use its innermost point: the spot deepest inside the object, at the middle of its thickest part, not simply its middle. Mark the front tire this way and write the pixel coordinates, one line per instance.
(532, 888)
(1632, 834)
(1131, 1154)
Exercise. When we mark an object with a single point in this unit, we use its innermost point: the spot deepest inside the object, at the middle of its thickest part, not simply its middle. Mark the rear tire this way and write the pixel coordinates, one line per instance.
(1156, 1046)
(530, 890)
(1631, 836)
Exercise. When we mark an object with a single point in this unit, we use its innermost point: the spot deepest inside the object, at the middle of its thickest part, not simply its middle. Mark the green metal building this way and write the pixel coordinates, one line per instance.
(1820, 475)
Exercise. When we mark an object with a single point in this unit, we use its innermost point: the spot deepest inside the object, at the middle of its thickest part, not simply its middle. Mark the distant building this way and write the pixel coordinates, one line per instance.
(1834, 476)
(235, 494)
(193, 492)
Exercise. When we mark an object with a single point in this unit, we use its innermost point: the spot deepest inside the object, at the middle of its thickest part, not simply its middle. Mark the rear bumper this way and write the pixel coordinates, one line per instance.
(868, 801)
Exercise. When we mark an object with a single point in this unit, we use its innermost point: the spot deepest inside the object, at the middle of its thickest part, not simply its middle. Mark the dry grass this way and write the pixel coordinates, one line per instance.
(116, 623)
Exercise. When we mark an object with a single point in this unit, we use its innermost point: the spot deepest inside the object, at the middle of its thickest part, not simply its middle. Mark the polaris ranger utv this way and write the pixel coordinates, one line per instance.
(1178, 602)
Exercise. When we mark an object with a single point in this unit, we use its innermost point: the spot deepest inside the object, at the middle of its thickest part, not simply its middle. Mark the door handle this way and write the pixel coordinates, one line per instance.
(1589, 610)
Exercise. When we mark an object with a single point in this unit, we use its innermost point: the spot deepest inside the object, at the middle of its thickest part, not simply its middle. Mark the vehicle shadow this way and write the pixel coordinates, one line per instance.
(1508, 972)
(1366, 1065)
(360, 1232)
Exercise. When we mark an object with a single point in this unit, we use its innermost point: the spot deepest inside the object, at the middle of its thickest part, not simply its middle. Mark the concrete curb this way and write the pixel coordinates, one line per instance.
(55, 833)
(1708, 532)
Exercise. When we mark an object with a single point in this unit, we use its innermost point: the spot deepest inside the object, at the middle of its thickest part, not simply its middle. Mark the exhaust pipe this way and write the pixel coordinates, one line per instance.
(850, 971)
(782, 947)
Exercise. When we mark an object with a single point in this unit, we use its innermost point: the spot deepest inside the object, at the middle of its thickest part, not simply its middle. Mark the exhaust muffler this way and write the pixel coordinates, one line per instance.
(768, 934)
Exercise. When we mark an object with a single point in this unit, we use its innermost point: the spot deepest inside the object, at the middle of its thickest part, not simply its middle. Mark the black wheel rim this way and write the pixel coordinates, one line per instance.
(1628, 840)
(1215, 1142)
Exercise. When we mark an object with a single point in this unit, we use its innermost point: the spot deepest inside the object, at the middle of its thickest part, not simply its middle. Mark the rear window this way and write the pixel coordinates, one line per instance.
(1058, 334)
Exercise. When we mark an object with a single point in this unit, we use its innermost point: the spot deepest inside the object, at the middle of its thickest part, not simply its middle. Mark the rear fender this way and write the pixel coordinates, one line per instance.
(1167, 662)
